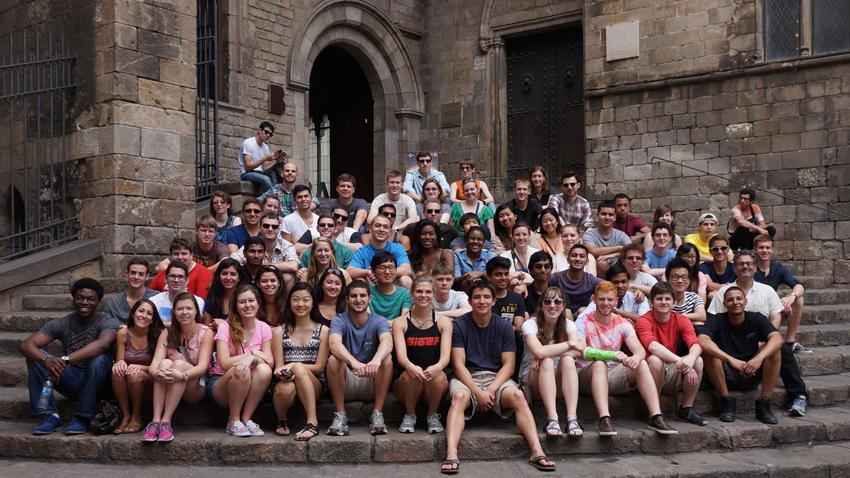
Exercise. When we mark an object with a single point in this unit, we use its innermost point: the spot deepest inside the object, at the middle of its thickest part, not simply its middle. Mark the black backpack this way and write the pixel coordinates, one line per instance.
(106, 418)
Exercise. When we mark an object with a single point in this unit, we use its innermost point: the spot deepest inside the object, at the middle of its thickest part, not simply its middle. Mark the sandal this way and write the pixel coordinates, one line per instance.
(283, 428)
(453, 467)
(133, 427)
(538, 462)
(574, 428)
(553, 428)
(310, 429)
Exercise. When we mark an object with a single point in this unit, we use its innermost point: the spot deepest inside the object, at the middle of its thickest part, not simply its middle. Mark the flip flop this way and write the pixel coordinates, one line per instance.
(283, 428)
(455, 467)
(537, 462)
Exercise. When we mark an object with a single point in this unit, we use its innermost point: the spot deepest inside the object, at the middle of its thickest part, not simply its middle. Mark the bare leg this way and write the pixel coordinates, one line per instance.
(513, 398)
(646, 387)
(657, 369)
(569, 385)
(159, 392)
(283, 398)
(119, 388)
(455, 422)
(174, 392)
(599, 387)
(409, 391)
(435, 390)
(383, 380)
(136, 388)
(336, 371)
(794, 319)
(260, 378)
(689, 391)
(547, 388)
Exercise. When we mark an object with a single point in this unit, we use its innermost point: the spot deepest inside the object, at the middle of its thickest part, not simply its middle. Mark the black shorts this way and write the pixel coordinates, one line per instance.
(735, 380)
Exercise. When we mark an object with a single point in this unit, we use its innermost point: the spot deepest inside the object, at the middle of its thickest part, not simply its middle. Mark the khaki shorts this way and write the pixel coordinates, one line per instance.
(358, 388)
(618, 380)
(672, 379)
(483, 380)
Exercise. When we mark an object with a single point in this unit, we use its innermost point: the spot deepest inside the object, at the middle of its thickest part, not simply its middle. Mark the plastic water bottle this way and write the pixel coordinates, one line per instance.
(46, 395)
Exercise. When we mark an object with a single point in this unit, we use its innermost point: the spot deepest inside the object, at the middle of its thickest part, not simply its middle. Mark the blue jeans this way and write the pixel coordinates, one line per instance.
(262, 180)
(82, 384)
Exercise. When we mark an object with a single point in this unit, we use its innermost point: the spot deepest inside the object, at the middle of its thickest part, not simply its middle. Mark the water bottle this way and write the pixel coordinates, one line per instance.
(46, 395)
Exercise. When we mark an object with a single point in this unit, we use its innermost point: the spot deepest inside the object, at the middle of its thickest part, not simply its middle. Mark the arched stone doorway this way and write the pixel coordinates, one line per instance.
(366, 34)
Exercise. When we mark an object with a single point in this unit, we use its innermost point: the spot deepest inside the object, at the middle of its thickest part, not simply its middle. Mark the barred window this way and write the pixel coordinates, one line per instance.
(781, 29)
(795, 28)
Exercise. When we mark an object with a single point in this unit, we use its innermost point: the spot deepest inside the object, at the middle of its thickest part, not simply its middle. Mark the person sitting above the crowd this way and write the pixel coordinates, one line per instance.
(660, 331)
(242, 370)
(269, 282)
(540, 267)
(549, 233)
(632, 225)
(84, 367)
(326, 229)
(256, 163)
(603, 241)
(199, 276)
(356, 210)
(360, 367)
(134, 348)
(405, 206)
(763, 299)
(431, 190)
(252, 211)
(285, 190)
(630, 304)
(519, 254)
(572, 208)
(607, 370)
(431, 211)
(228, 276)
(678, 274)
(540, 189)
(471, 205)
(707, 230)
(206, 251)
(552, 341)
(221, 205)
(720, 271)
(664, 215)
(425, 251)
(467, 221)
(471, 263)
(302, 219)
(773, 273)
(416, 177)
(660, 254)
(741, 351)
(699, 282)
(526, 211)
(632, 257)
(577, 284)
(180, 361)
(422, 341)
(747, 222)
(483, 359)
(569, 237)
(467, 171)
(271, 205)
(175, 275)
(330, 295)
(319, 258)
(118, 305)
(300, 349)
(447, 301)
(387, 300)
(359, 268)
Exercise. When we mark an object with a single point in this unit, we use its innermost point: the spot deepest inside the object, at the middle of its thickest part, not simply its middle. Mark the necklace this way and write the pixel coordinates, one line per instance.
(423, 324)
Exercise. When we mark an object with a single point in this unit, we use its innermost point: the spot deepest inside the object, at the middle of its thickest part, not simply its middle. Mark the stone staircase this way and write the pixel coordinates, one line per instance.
(200, 438)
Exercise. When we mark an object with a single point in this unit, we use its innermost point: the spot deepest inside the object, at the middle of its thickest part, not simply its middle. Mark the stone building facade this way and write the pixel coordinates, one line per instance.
(599, 86)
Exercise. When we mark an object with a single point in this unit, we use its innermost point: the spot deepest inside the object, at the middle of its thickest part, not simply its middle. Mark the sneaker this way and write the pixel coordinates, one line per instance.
(408, 424)
(339, 426)
(764, 413)
(434, 424)
(237, 429)
(254, 429)
(690, 415)
(48, 425)
(79, 426)
(605, 428)
(151, 432)
(376, 424)
(798, 348)
(660, 426)
(798, 406)
(728, 409)
(166, 434)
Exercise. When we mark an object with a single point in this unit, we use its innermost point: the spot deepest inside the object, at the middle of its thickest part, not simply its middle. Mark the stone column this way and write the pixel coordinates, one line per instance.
(137, 189)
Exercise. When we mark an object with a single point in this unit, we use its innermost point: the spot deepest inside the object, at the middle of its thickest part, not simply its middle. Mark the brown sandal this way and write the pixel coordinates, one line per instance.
(538, 462)
(454, 467)
(133, 427)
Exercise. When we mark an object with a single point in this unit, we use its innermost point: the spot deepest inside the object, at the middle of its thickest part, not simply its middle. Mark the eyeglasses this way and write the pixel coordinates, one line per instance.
(542, 265)
(271, 226)
(719, 249)
(428, 160)
(176, 277)
(634, 258)
(268, 133)
(340, 217)
(677, 278)
(252, 211)
(326, 224)
(432, 211)
(553, 301)
(386, 268)
(569, 185)
(388, 214)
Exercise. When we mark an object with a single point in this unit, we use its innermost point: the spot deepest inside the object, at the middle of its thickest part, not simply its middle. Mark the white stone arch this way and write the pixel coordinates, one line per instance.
(366, 33)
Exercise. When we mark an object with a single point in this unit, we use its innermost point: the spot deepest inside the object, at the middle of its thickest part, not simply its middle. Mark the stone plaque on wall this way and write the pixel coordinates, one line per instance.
(450, 115)
(622, 41)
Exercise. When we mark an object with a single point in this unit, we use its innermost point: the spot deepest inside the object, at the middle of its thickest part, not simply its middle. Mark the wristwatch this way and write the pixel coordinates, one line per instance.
(66, 359)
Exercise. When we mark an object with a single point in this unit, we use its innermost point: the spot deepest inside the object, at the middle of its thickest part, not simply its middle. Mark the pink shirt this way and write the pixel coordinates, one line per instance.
(603, 337)
(262, 333)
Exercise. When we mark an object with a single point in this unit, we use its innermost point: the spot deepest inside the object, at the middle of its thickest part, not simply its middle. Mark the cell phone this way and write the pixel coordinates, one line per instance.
(287, 374)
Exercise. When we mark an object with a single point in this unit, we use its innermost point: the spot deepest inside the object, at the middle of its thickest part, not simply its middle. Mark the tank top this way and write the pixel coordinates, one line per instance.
(134, 356)
(307, 353)
(423, 346)
(190, 350)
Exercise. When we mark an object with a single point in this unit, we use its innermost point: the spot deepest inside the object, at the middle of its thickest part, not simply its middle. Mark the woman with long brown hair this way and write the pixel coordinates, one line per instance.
(269, 281)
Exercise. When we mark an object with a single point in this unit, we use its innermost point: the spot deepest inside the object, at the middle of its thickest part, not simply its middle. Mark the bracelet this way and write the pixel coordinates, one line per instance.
(185, 377)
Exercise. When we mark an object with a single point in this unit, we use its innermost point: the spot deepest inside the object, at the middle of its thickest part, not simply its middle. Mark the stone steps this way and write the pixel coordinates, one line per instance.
(823, 335)
(486, 438)
(827, 296)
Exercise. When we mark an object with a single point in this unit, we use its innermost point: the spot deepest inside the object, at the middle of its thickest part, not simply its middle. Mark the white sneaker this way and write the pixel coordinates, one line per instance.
(238, 429)
(254, 429)
(434, 424)
(408, 424)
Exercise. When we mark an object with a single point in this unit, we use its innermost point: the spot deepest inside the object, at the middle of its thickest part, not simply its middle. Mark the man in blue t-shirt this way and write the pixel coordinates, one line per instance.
(361, 262)
(360, 366)
(483, 359)
(660, 254)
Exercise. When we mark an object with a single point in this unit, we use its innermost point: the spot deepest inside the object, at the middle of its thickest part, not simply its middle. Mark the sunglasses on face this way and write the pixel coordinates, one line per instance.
(569, 185)
(720, 249)
(340, 217)
(432, 211)
(271, 226)
(268, 133)
(388, 214)
(326, 224)
(553, 301)
(422, 161)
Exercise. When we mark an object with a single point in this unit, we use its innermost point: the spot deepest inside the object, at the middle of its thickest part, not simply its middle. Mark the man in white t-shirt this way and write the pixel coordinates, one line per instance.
(303, 219)
(176, 279)
(256, 163)
(404, 205)
(446, 301)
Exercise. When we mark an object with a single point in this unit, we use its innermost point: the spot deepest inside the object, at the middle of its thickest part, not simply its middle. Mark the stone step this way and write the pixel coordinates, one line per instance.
(486, 438)
(823, 335)
(815, 282)
(10, 343)
(28, 321)
(828, 296)
(825, 314)
(53, 302)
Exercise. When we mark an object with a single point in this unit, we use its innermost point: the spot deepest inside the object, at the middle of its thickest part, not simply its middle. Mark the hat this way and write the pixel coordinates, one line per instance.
(707, 215)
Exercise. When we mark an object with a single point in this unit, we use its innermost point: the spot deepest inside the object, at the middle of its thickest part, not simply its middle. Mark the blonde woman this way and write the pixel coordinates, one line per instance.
(321, 259)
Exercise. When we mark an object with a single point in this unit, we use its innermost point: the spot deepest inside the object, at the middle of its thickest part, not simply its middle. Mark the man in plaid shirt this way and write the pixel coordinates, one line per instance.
(573, 208)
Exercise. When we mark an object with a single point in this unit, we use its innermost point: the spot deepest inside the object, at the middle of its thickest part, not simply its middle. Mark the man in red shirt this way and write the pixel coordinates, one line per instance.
(632, 225)
(660, 331)
(199, 276)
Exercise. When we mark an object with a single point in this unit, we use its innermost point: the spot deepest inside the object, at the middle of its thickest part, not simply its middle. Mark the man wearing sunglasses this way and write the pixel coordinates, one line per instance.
(415, 178)
(327, 225)
(573, 208)
(250, 227)
(540, 268)
(275, 250)
(405, 207)
(720, 270)
(255, 160)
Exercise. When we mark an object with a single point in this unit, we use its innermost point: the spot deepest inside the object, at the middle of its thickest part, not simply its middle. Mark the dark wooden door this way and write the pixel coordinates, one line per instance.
(545, 103)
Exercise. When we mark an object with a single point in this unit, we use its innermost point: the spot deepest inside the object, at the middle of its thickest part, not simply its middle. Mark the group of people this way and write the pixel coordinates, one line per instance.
(433, 291)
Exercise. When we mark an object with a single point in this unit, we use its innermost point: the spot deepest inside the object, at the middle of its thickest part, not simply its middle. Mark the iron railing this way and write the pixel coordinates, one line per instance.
(206, 103)
(37, 209)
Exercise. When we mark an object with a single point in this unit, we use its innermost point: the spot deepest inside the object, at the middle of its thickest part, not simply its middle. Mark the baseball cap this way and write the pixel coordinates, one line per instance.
(707, 215)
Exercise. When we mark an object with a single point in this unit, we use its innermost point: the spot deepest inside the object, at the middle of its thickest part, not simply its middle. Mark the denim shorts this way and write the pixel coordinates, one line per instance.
(211, 381)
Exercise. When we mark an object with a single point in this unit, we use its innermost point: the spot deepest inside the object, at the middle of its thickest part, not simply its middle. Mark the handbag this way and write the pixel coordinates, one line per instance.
(106, 418)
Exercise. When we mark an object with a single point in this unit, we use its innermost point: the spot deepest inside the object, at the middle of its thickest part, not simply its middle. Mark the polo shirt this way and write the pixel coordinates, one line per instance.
(362, 259)
(465, 265)
(779, 274)
(760, 298)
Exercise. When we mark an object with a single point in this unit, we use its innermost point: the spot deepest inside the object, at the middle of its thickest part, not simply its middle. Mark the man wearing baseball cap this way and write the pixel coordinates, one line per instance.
(707, 230)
